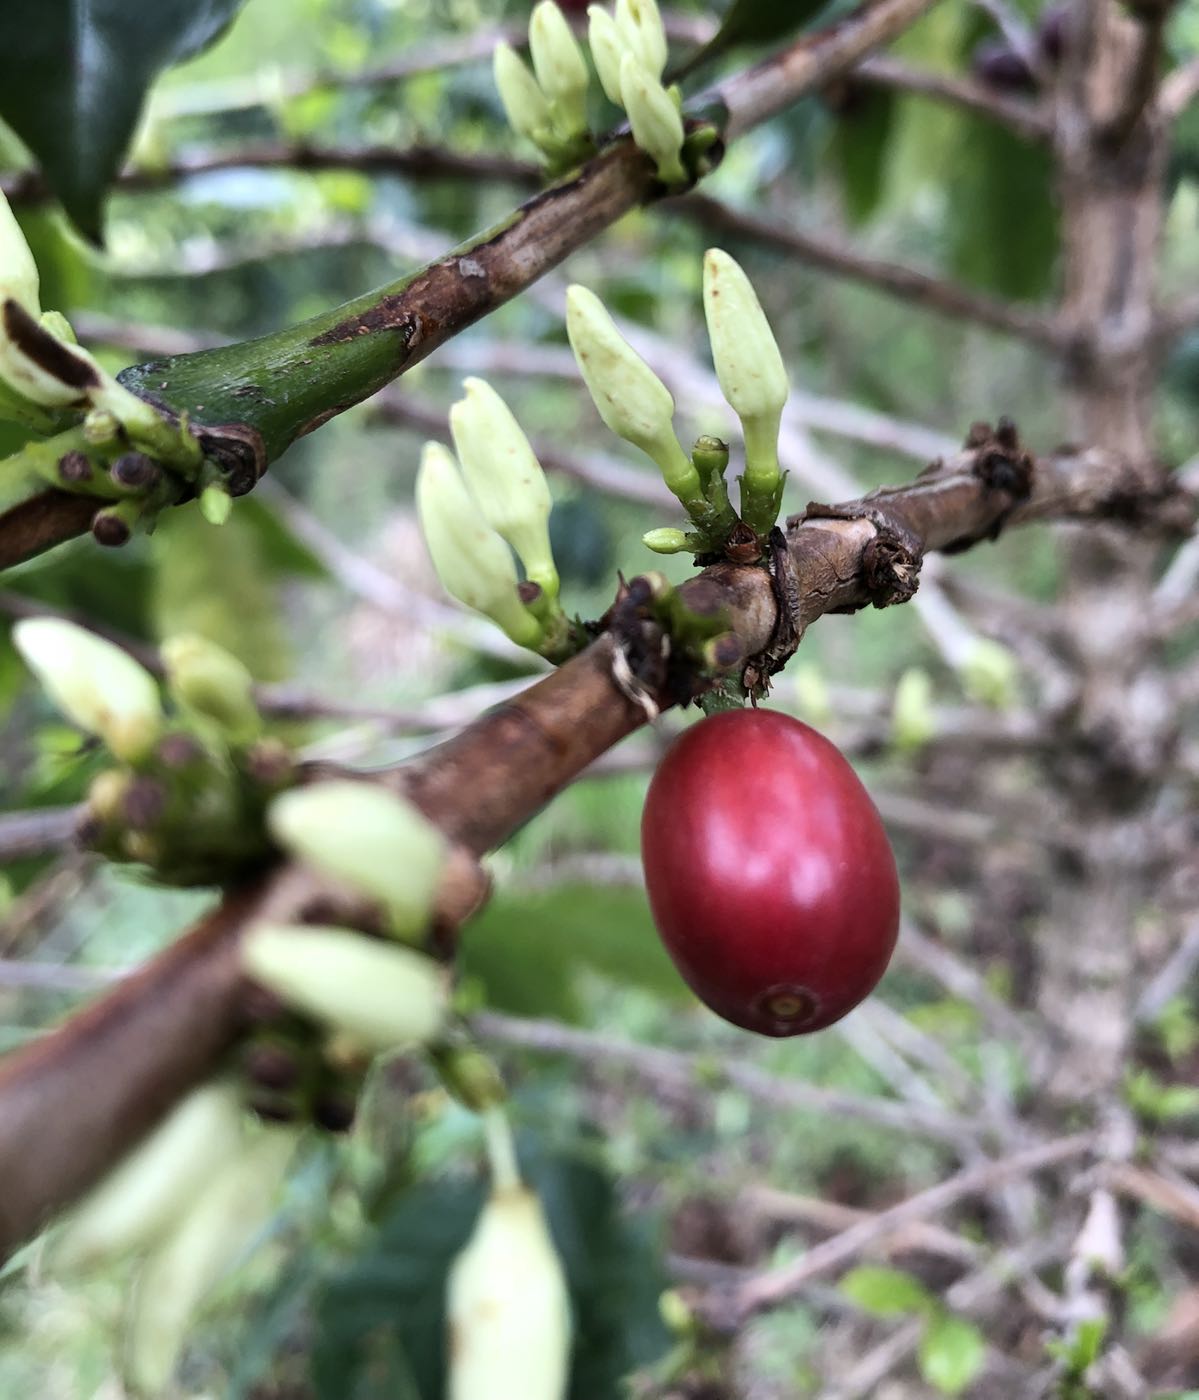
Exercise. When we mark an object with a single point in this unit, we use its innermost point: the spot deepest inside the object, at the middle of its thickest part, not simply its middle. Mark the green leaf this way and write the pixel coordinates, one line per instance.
(859, 148)
(884, 1292)
(952, 1352)
(526, 949)
(73, 74)
(1003, 213)
(218, 582)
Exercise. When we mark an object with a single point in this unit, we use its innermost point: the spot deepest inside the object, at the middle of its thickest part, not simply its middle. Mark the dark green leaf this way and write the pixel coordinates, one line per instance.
(1004, 224)
(860, 142)
(952, 1352)
(73, 74)
(527, 948)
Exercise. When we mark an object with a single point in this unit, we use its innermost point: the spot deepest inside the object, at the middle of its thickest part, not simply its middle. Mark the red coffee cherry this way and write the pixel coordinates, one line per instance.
(770, 876)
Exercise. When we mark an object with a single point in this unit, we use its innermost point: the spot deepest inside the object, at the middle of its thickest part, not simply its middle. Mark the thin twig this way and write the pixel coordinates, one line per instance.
(907, 284)
(776, 1286)
(1028, 119)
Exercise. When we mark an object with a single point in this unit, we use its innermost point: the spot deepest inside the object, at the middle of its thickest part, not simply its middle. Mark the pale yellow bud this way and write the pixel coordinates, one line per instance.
(381, 994)
(210, 1236)
(631, 399)
(508, 1307)
(607, 49)
(18, 271)
(369, 839)
(472, 561)
(505, 478)
(654, 117)
(990, 674)
(94, 683)
(912, 720)
(145, 1195)
(557, 58)
(527, 107)
(211, 681)
(639, 23)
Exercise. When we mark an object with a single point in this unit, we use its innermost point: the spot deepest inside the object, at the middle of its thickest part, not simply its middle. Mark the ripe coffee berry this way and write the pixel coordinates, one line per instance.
(769, 874)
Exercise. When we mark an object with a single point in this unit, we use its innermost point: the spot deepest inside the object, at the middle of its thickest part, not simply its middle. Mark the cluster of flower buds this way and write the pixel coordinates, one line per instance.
(183, 1205)
(190, 789)
(508, 1307)
(547, 105)
(477, 510)
(99, 439)
(637, 406)
(629, 49)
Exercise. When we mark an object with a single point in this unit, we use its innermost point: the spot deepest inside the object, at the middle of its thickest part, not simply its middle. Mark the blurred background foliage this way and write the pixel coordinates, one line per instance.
(298, 584)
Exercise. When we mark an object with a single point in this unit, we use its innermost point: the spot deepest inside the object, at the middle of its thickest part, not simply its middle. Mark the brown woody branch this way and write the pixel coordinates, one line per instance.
(74, 1102)
(1028, 119)
(905, 283)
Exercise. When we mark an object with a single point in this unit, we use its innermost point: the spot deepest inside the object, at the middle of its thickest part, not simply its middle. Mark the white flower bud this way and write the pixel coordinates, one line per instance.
(472, 561)
(508, 1307)
(380, 994)
(211, 681)
(367, 838)
(748, 364)
(94, 683)
(18, 271)
(527, 107)
(144, 1196)
(505, 478)
(639, 23)
(557, 58)
(210, 1236)
(654, 117)
(631, 399)
(607, 49)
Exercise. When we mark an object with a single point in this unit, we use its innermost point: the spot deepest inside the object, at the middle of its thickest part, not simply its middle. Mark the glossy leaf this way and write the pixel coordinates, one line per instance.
(74, 73)
(859, 149)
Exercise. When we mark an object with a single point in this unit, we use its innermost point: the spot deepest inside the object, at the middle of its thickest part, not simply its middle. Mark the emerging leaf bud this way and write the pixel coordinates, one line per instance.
(752, 378)
(215, 504)
(208, 1238)
(472, 561)
(560, 67)
(94, 683)
(143, 1197)
(18, 271)
(665, 540)
(508, 1307)
(990, 674)
(526, 105)
(367, 838)
(381, 994)
(211, 681)
(505, 478)
(607, 49)
(912, 722)
(639, 23)
(655, 119)
(631, 399)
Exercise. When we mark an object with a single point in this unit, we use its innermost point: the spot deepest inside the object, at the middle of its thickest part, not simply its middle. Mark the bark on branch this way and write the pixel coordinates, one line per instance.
(74, 1102)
